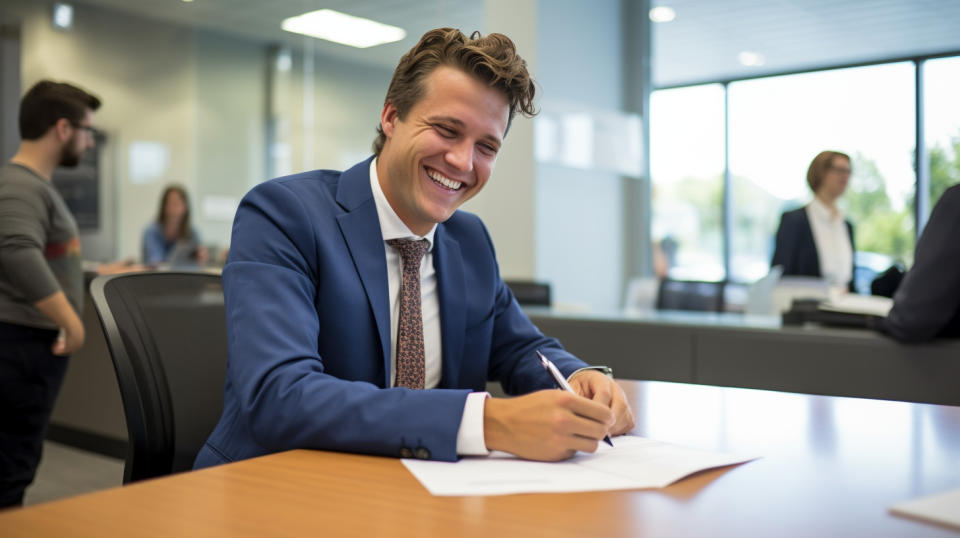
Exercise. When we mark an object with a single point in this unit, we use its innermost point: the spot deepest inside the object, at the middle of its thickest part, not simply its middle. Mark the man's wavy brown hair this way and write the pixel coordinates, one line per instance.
(492, 59)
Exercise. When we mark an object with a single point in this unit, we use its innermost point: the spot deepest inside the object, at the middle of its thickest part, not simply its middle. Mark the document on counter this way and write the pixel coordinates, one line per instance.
(942, 508)
(851, 303)
(632, 463)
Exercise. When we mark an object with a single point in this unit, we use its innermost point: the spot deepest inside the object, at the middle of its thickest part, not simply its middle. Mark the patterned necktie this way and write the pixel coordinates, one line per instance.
(410, 355)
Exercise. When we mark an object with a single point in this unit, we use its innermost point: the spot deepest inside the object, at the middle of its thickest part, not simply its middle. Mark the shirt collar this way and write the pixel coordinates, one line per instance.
(391, 227)
(823, 212)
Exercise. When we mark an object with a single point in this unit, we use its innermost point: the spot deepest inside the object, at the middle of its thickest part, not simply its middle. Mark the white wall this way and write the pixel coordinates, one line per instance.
(580, 221)
(229, 129)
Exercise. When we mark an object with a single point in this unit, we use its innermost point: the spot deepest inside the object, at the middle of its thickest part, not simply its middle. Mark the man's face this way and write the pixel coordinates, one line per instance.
(80, 139)
(442, 153)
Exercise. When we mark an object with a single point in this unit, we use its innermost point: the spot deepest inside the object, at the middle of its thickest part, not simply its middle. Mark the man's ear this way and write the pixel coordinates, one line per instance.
(62, 129)
(389, 118)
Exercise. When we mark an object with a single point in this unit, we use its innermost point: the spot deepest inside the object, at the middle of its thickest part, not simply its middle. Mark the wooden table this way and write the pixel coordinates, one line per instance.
(830, 467)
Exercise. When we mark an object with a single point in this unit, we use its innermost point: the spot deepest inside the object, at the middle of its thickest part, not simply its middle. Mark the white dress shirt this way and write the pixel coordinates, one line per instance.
(832, 239)
(470, 435)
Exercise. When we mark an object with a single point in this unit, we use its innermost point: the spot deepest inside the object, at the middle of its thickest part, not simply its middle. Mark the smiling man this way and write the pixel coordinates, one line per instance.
(365, 312)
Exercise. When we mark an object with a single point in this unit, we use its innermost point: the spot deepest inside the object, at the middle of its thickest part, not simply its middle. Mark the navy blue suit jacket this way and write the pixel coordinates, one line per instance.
(308, 327)
(795, 248)
(927, 303)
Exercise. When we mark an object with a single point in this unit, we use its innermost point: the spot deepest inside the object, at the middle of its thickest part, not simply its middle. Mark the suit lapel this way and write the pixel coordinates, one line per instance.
(811, 243)
(451, 289)
(360, 227)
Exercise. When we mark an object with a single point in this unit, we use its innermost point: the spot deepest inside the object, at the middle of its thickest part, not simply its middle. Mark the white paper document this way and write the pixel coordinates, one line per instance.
(633, 463)
(852, 303)
(943, 508)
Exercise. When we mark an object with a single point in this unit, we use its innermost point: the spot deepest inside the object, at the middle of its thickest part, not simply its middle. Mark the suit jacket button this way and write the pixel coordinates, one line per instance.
(422, 453)
(405, 452)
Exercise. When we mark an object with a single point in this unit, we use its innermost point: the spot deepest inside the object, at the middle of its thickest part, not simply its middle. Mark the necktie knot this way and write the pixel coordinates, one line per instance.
(411, 250)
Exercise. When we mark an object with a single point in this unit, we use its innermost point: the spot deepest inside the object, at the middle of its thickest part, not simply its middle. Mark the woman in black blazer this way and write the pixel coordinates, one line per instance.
(816, 240)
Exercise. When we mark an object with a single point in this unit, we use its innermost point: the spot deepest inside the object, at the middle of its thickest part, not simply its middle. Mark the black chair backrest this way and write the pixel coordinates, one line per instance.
(691, 295)
(167, 336)
(530, 293)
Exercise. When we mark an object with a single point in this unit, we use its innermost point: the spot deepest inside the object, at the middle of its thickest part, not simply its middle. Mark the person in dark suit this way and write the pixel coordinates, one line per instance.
(927, 303)
(816, 240)
(365, 312)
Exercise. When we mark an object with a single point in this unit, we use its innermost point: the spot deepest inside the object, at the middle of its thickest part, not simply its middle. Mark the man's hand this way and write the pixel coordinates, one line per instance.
(69, 340)
(57, 308)
(547, 425)
(598, 387)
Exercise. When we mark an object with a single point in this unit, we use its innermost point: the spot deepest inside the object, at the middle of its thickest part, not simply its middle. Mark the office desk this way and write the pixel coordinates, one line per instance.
(757, 352)
(831, 467)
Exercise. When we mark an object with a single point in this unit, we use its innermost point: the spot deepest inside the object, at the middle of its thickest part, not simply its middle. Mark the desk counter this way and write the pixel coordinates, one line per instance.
(757, 352)
(829, 466)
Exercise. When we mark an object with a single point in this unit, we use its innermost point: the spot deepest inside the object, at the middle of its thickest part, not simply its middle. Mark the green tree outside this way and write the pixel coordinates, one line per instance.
(882, 228)
(944, 168)
(878, 226)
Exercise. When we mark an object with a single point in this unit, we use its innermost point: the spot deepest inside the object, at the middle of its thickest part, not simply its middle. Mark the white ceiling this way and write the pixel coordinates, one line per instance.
(704, 40)
(701, 44)
(260, 20)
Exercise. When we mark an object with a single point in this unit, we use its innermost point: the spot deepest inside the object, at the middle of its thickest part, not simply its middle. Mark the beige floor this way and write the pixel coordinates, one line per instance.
(66, 471)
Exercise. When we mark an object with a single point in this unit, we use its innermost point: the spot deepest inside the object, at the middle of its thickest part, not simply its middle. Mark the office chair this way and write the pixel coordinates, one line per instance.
(167, 336)
(529, 293)
(690, 295)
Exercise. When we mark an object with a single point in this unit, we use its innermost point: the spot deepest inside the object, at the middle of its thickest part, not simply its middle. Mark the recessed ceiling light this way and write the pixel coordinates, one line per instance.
(62, 16)
(342, 28)
(751, 59)
(662, 14)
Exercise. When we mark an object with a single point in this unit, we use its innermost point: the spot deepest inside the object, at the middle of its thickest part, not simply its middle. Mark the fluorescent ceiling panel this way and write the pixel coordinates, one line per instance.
(344, 29)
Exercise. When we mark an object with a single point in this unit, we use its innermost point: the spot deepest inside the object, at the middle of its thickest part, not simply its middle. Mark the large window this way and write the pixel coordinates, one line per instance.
(686, 164)
(762, 134)
(777, 126)
(942, 123)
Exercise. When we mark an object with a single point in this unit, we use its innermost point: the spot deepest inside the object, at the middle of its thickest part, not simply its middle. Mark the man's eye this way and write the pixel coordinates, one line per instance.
(446, 131)
(488, 149)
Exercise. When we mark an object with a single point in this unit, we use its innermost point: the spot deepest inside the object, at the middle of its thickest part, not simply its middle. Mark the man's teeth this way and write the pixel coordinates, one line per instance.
(446, 182)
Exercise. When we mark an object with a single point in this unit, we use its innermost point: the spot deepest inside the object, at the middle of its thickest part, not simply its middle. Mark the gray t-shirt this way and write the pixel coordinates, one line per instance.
(39, 247)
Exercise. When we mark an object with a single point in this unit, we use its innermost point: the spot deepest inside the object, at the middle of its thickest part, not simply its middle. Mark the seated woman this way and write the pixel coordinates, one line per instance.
(816, 240)
(171, 239)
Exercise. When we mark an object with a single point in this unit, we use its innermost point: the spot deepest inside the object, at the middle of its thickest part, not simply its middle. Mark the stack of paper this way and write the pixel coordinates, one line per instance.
(633, 463)
(850, 303)
(943, 508)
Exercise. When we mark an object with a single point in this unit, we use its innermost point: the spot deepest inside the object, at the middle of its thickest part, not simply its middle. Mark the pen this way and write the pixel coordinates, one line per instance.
(561, 382)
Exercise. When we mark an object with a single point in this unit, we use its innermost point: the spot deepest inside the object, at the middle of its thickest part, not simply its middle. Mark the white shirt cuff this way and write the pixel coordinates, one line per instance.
(470, 435)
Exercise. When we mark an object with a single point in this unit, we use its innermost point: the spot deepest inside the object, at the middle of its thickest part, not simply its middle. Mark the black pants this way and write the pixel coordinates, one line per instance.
(30, 377)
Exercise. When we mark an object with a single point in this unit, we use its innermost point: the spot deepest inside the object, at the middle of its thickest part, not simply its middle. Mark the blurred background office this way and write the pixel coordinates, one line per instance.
(672, 135)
